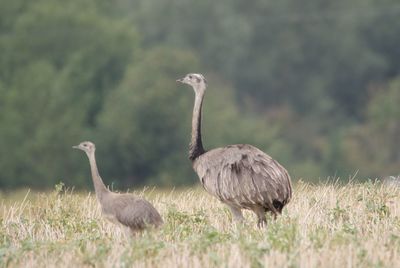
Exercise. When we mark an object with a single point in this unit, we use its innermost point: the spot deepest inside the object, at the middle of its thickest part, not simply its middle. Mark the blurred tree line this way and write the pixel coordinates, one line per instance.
(314, 84)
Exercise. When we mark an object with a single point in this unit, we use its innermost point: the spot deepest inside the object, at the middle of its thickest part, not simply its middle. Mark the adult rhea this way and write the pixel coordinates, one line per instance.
(241, 176)
(131, 211)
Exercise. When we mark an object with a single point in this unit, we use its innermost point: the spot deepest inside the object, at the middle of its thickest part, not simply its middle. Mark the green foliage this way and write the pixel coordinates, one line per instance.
(375, 141)
(54, 84)
(143, 122)
(275, 52)
(315, 85)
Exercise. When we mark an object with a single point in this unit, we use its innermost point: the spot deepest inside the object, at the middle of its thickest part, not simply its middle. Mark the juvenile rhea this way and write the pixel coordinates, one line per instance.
(240, 175)
(126, 209)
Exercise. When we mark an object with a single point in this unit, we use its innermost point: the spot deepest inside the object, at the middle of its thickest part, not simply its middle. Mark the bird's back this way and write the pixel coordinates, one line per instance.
(243, 175)
(132, 211)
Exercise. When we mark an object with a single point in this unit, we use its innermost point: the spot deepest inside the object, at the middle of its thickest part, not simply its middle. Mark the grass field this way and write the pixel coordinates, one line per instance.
(354, 225)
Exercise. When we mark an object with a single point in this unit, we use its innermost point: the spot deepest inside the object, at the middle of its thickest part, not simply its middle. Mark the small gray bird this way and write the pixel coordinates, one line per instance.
(126, 209)
(241, 176)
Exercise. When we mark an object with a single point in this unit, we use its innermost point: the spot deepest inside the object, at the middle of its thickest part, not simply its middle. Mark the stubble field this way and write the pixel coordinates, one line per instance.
(327, 225)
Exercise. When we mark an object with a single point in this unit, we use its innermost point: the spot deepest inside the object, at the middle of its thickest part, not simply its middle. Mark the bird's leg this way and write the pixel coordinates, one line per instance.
(130, 233)
(262, 220)
(127, 232)
(275, 215)
(135, 233)
(237, 213)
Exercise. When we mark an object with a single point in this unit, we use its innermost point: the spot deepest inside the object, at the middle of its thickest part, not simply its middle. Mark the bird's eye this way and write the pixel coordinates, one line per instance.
(190, 76)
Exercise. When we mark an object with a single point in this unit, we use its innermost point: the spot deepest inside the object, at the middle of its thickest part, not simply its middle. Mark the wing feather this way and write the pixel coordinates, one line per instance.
(243, 175)
(137, 213)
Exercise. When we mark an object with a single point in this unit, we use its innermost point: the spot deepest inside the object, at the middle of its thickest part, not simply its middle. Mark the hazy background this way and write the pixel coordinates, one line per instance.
(315, 84)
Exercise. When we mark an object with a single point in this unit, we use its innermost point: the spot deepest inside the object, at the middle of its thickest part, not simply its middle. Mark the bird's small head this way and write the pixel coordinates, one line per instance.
(197, 81)
(86, 146)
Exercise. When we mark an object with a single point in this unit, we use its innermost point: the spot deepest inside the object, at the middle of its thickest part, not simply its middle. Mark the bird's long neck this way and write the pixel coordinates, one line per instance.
(196, 146)
(99, 186)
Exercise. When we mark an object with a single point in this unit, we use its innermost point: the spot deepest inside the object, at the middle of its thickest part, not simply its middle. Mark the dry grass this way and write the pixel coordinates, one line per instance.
(357, 225)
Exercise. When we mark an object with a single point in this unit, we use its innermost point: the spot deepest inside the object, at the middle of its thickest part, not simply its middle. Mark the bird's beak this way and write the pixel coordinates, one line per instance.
(75, 147)
(179, 80)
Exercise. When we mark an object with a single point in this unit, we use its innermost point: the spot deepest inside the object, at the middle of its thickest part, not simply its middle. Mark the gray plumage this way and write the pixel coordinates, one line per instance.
(241, 176)
(125, 209)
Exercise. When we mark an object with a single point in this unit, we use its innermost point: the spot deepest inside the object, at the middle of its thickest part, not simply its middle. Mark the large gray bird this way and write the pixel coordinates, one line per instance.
(126, 209)
(241, 176)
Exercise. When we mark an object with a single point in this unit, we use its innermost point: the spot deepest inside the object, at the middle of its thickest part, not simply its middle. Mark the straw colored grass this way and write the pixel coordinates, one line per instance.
(355, 225)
